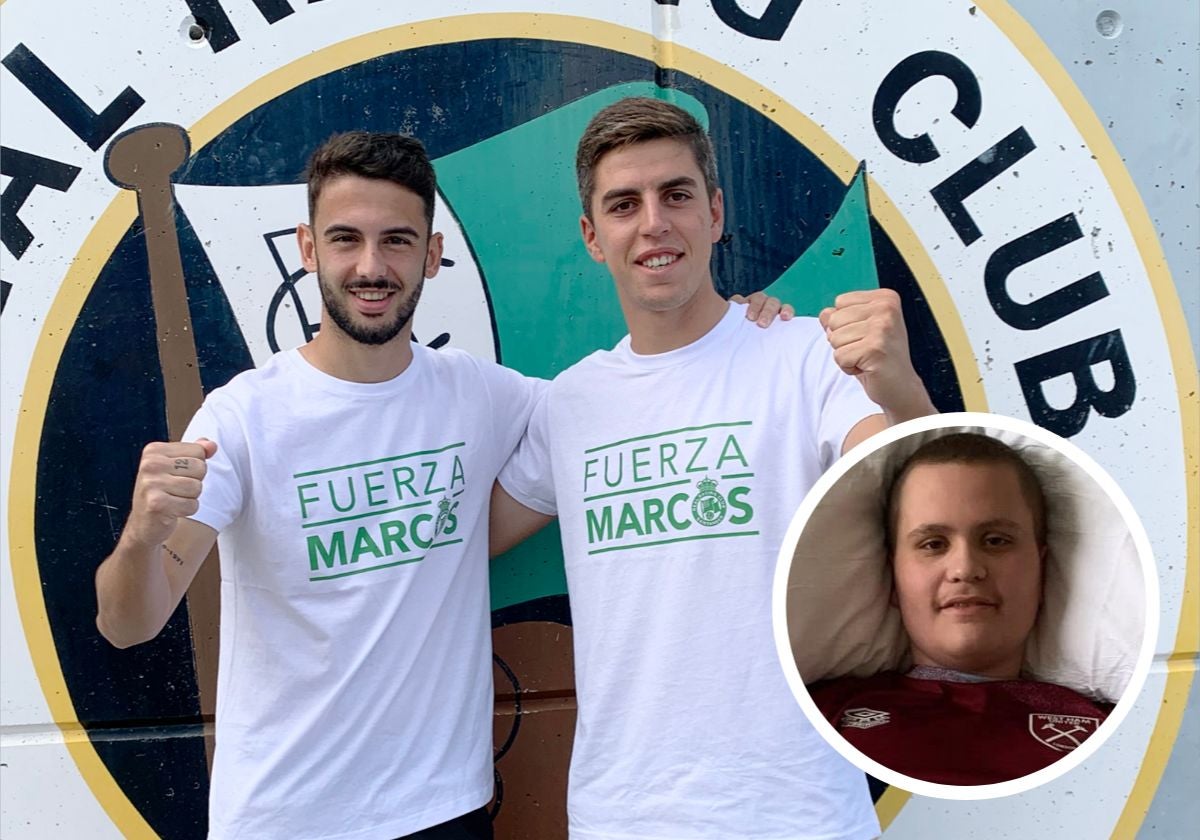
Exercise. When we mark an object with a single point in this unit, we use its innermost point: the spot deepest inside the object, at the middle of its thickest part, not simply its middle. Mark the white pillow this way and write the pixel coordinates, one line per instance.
(1088, 634)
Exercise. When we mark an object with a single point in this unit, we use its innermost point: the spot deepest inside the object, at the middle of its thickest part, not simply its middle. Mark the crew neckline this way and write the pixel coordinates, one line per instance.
(316, 378)
(933, 672)
(720, 331)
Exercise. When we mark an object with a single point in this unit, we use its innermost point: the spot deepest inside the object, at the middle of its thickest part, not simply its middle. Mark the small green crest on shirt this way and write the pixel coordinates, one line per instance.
(443, 515)
(708, 506)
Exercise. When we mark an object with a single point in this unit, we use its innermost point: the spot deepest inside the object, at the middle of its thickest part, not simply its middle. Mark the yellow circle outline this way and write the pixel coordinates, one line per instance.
(98, 246)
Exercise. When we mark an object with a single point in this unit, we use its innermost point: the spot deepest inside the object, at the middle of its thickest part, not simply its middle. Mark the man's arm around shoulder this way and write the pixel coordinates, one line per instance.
(510, 522)
(142, 582)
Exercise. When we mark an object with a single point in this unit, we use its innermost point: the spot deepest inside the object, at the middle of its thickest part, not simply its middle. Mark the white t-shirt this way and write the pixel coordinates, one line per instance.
(354, 693)
(674, 477)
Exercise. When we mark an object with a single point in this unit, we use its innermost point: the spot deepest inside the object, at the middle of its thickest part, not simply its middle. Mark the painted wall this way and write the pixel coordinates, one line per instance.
(1032, 194)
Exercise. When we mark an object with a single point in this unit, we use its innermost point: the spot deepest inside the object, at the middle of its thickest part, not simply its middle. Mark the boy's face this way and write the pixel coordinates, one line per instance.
(653, 223)
(967, 566)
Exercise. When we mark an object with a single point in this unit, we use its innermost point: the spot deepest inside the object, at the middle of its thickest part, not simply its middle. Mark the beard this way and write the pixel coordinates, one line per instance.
(374, 331)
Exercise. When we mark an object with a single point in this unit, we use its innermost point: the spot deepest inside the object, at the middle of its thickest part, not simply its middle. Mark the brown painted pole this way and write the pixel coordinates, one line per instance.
(144, 159)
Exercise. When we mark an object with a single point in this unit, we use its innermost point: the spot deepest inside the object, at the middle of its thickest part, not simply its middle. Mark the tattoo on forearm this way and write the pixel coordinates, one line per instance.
(174, 556)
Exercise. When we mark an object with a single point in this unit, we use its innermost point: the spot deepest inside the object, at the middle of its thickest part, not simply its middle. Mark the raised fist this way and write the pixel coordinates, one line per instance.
(168, 485)
(866, 331)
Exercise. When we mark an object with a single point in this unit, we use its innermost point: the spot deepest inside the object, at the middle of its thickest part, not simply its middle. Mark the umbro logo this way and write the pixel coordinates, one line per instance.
(864, 718)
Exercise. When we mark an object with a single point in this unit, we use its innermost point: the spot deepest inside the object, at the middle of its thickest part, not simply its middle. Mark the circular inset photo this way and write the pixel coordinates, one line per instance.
(966, 606)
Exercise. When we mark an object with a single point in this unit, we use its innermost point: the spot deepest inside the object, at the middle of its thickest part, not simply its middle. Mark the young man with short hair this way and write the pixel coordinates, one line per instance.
(966, 524)
(349, 482)
(675, 462)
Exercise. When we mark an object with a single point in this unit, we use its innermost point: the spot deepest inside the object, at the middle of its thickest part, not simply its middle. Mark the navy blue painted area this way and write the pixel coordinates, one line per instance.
(930, 356)
(555, 608)
(160, 767)
(451, 96)
(877, 788)
(106, 403)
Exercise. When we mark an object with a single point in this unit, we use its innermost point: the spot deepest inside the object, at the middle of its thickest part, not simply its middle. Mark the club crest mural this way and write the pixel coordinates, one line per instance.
(153, 166)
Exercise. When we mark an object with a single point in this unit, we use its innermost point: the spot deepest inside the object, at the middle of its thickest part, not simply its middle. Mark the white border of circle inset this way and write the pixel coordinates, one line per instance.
(965, 792)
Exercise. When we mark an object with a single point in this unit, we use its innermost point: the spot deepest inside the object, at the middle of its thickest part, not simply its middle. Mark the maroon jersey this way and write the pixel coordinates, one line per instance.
(958, 733)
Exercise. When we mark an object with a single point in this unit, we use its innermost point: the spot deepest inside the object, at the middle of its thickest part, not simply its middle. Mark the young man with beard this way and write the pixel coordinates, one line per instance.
(349, 482)
(675, 462)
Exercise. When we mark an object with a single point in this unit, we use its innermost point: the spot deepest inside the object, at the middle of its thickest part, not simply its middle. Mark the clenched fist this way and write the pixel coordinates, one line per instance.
(866, 331)
(168, 486)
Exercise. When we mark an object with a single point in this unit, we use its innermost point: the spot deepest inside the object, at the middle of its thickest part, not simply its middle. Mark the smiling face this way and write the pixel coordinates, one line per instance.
(370, 246)
(968, 567)
(653, 224)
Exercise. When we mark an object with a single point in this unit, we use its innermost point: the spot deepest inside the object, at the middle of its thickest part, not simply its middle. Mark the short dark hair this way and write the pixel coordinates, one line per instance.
(639, 119)
(968, 448)
(387, 157)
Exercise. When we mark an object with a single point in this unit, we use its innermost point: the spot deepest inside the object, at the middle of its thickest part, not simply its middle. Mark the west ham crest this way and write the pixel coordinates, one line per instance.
(1062, 733)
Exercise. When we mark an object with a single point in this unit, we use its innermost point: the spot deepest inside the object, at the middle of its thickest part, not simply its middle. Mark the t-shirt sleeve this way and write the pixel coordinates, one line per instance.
(221, 496)
(512, 397)
(528, 476)
(837, 398)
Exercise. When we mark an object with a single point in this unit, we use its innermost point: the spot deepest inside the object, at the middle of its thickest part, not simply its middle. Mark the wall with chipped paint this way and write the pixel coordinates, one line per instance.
(1086, 114)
